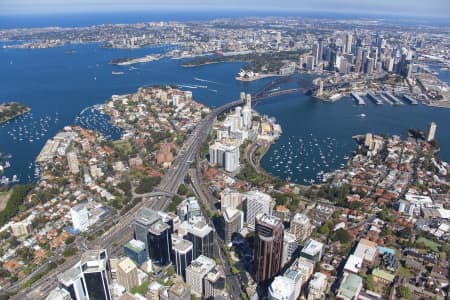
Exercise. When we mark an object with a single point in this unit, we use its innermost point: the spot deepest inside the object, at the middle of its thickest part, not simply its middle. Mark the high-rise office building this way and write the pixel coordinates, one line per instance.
(127, 274)
(135, 250)
(88, 279)
(233, 221)
(257, 202)
(182, 250)
(268, 247)
(142, 224)
(247, 116)
(282, 288)
(301, 227)
(196, 273)
(160, 243)
(315, 52)
(80, 217)
(202, 237)
(310, 63)
(348, 43)
(312, 250)
(431, 132)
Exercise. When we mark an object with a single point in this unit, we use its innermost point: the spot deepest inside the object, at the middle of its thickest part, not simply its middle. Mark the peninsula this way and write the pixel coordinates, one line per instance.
(11, 110)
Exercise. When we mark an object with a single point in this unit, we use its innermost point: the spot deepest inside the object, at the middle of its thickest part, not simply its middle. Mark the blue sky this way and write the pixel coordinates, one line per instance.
(401, 7)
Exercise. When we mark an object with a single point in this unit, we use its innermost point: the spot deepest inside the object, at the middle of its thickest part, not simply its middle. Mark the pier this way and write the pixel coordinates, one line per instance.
(358, 99)
(374, 98)
(410, 100)
(394, 99)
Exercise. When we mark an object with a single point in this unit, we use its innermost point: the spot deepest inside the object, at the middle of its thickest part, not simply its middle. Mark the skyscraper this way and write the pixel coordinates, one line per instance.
(142, 224)
(431, 132)
(202, 237)
(257, 202)
(315, 52)
(80, 217)
(268, 247)
(182, 255)
(196, 272)
(348, 43)
(300, 227)
(135, 250)
(233, 221)
(160, 243)
(290, 245)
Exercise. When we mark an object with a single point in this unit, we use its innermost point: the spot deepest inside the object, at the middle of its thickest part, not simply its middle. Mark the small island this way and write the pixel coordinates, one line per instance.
(11, 110)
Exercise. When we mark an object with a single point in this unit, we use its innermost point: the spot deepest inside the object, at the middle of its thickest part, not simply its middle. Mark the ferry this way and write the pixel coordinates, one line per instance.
(117, 73)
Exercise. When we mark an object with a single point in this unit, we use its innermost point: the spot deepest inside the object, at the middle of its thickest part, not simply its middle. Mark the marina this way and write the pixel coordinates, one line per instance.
(374, 98)
(410, 100)
(393, 98)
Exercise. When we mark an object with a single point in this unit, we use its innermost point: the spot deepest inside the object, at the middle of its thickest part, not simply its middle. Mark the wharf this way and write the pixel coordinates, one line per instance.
(394, 99)
(374, 98)
(358, 98)
(410, 100)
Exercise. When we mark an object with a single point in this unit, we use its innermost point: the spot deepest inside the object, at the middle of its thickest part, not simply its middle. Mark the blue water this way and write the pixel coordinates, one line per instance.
(59, 86)
(127, 17)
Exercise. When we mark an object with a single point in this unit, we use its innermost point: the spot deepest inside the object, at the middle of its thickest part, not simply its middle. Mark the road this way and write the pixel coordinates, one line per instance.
(120, 231)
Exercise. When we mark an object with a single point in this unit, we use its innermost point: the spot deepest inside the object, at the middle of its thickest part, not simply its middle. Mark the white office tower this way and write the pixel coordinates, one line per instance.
(317, 286)
(248, 101)
(315, 52)
(231, 158)
(233, 221)
(290, 245)
(348, 43)
(431, 132)
(247, 117)
(88, 279)
(282, 288)
(257, 203)
(235, 121)
(301, 227)
(242, 97)
(80, 217)
(196, 272)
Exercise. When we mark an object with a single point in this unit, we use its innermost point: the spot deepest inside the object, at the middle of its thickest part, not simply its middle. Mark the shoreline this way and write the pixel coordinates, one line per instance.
(27, 110)
(255, 78)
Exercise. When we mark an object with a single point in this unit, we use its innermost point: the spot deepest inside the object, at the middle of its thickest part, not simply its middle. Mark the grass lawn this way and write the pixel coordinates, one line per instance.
(429, 244)
(124, 146)
(4, 197)
(404, 272)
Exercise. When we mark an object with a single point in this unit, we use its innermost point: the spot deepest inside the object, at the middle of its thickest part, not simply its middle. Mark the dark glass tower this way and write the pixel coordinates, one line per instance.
(159, 243)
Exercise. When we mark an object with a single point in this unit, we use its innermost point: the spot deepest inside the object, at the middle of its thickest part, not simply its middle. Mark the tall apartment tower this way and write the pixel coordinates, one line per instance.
(301, 227)
(268, 247)
(431, 132)
(257, 202)
(160, 243)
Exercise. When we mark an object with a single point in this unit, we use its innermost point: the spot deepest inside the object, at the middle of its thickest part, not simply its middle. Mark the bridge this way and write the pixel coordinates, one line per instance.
(273, 88)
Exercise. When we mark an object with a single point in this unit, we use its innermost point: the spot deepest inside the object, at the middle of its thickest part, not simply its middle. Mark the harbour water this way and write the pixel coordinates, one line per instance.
(64, 89)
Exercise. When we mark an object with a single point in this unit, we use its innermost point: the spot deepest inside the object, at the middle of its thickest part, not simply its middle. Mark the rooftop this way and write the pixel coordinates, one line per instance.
(127, 265)
(312, 247)
(135, 245)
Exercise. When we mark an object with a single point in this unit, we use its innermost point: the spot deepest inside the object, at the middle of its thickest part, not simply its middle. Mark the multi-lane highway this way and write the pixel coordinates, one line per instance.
(120, 230)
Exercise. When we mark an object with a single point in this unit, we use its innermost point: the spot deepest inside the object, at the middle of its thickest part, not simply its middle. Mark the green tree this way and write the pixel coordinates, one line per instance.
(182, 189)
(341, 235)
(404, 292)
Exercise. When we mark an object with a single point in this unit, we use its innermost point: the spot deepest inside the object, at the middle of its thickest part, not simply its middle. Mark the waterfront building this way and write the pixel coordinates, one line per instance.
(182, 252)
(282, 288)
(290, 245)
(179, 291)
(127, 274)
(268, 247)
(196, 273)
(312, 250)
(80, 217)
(317, 286)
(160, 243)
(310, 63)
(431, 132)
(135, 250)
(257, 202)
(301, 227)
(247, 117)
(142, 224)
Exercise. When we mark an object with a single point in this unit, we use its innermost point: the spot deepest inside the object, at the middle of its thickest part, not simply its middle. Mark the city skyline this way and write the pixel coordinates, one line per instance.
(435, 8)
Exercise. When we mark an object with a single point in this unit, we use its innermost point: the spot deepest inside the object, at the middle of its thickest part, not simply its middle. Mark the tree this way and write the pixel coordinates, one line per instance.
(70, 252)
(170, 270)
(341, 235)
(370, 283)
(182, 189)
(69, 240)
(324, 229)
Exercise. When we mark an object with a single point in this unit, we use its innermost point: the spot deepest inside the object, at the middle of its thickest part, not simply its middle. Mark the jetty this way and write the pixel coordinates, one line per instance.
(410, 100)
(359, 100)
(394, 99)
(374, 98)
